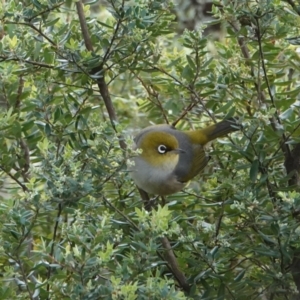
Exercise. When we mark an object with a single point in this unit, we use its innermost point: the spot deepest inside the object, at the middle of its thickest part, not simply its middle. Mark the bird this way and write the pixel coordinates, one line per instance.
(170, 158)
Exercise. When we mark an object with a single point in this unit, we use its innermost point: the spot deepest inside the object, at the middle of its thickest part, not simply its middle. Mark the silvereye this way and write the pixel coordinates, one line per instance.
(170, 158)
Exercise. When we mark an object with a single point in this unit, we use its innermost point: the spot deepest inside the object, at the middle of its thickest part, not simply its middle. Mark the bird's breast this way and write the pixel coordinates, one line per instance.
(158, 179)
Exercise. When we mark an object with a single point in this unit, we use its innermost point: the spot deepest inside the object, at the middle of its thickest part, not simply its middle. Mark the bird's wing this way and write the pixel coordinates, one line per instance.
(190, 169)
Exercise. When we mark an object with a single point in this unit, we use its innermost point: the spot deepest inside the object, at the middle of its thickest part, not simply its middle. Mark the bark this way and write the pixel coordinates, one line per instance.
(292, 166)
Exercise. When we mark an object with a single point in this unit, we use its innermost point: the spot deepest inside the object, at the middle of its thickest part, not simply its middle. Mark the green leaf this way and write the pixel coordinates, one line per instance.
(191, 62)
(188, 73)
(240, 276)
(254, 170)
(286, 114)
(221, 292)
(47, 129)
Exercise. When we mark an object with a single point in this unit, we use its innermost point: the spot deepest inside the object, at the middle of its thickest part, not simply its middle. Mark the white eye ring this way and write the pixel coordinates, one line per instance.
(162, 149)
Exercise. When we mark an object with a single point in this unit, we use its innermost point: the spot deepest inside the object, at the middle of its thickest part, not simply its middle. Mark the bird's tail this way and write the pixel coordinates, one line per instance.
(220, 129)
(205, 135)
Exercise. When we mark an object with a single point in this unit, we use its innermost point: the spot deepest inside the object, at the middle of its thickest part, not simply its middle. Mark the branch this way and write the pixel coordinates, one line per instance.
(120, 213)
(285, 147)
(26, 156)
(113, 118)
(154, 94)
(34, 28)
(23, 145)
(171, 259)
(295, 267)
(51, 254)
(24, 188)
(191, 90)
(103, 88)
(26, 61)
(24, 277)
(186, 111)
(292, 166)
(293, 5)
(19, 93)
(247, 56)
(47, 10)
(117, 27)
(292, 158)
(168, 253)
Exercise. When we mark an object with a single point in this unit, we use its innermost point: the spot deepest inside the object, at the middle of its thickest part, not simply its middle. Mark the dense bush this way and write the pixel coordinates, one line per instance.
(76, 82)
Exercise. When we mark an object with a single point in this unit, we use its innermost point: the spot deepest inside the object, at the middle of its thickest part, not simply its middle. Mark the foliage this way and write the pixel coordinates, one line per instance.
(73, 225)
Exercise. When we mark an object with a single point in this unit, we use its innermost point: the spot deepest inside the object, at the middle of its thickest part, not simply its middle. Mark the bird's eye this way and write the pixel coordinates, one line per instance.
(162, 149)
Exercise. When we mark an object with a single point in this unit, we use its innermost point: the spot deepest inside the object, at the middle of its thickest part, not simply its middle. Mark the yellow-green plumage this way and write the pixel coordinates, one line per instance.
(210, 133)
(149, 147)
(166, 172)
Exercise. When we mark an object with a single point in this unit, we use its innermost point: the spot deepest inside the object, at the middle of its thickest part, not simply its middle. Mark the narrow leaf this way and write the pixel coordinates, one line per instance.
(254, 170)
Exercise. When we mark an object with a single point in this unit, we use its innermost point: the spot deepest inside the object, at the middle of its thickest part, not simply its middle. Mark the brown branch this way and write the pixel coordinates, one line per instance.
(19, 92)
(154, 94)
(283, 142)
(24, 188)
(295, 268)
(59, 212)
(27, 235)
(262, 97)
(23, 145)
(219, 220)
(186, 111)
(168, 253)
(120, 213)
(246, 54)
(171, 259)
(285, 147)
(261, 53)
(24, 277)
(292, 158)
(47, 10)
(84, 28)
(292, 166)
(26, 61)
(148, 203)
(34, 28)
(26, 156)
(113, 118)
(103, 88)
(117, 27)
(190, 89)
(293, 5)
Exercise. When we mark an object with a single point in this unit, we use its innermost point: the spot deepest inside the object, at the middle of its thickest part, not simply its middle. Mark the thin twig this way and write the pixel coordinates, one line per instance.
(59, 212)
(120, 213)
(293, 5)
(24, 188)
(51, 8)
(26, 61)
(186, 111)
(285, 147)
(34, 28)
(154, 94)
(114, 36)
(191, 90)
(28, 232)
(24, 276)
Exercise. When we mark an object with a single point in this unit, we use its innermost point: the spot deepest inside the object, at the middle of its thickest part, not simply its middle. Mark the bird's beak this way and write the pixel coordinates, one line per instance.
(178, 150)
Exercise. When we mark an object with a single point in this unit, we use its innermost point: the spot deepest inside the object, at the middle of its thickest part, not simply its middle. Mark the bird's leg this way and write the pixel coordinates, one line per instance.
(151, 203)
